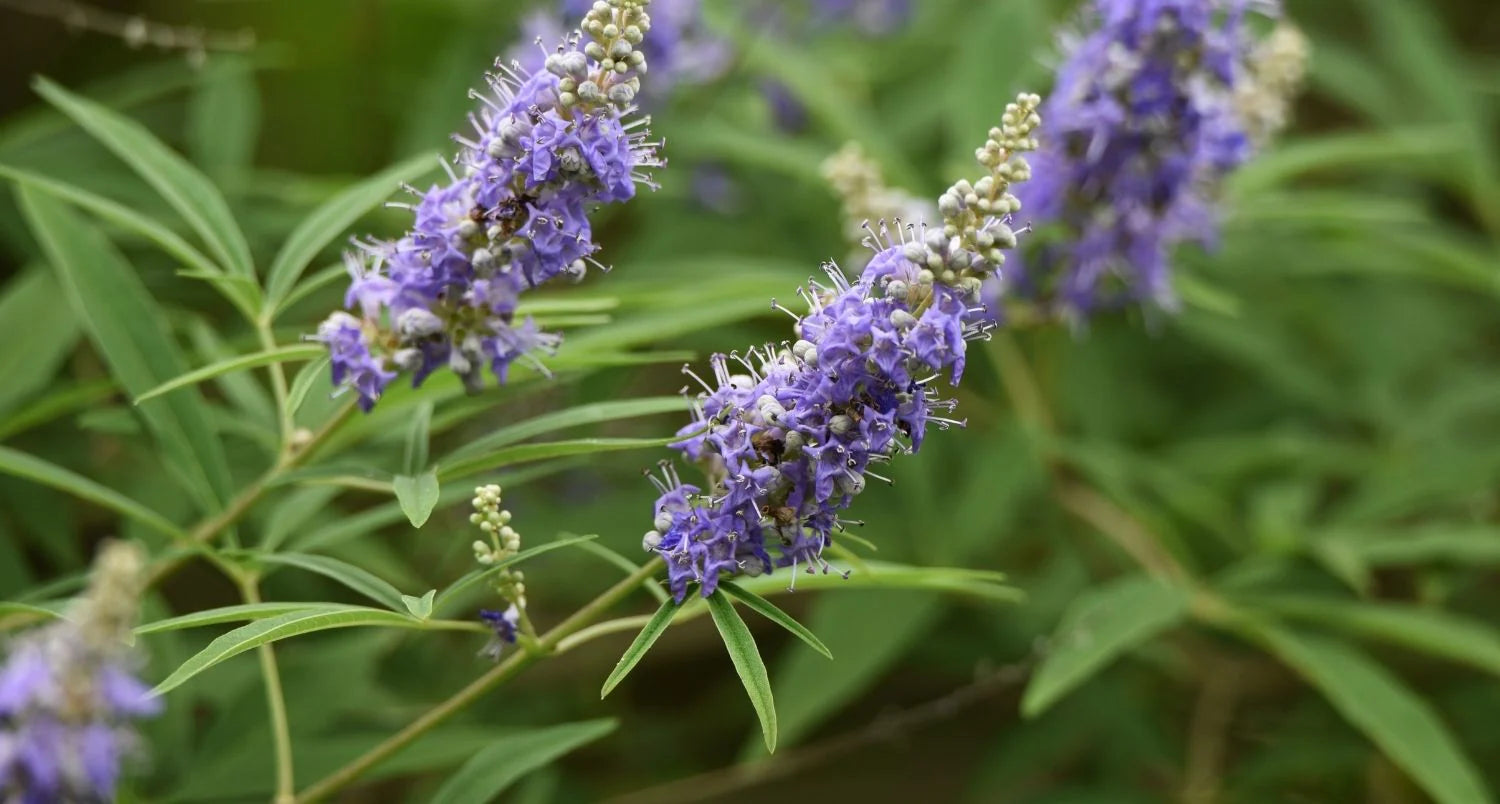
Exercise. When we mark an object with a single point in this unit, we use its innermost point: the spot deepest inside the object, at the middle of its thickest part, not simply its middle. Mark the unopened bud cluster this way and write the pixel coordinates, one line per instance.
(68, 692)
(501, 542)
(615, 30)
(1277, 67)
(866, 198)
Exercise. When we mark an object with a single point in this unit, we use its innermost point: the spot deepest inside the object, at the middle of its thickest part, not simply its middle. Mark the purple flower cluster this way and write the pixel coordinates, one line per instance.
(793, 436)
(1141, 125)
(548, 146)
(68, 696)
(680, 49)
(788, 433)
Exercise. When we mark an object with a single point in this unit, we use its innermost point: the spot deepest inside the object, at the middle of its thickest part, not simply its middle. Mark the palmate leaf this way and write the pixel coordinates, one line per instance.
(262, 632)
(1100, 625)
(653, 629)
(347, 574)
(747, 663)
(328, 221)
(188, 191)
(491, 771)
(281, 354)
(128, 329)
(1390, 714)
(767, 609)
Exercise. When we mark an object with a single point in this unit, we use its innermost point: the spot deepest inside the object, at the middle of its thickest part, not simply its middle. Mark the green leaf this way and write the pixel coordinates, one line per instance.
(643, 641)
(1098, 627)
(417, 496)
(1392, 716)
(281, 354)
(303, 383)
(224, 116)
(522, 453)
(1464, 545)
(1423, 629)
(747, 662)
(55, 405)
(330, 220)
(128, 329)
(416, 439)
(420, 607)
(769, 610)
(361, 581)
(35, 469)
(478, 575)
(189, 192)
(981, 584)
(572, 417)
(237, 613)
(271, 629)
(38, 335)
(626, 565)
(490, 772)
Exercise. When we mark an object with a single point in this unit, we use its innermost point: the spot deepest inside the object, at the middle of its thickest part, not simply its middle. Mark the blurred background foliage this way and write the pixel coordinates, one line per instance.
(1309, 452)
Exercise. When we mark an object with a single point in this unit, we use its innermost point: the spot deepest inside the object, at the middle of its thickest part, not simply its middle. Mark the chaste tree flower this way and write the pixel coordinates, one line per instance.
(681, 50)
(68, 693)
(547, 146)
(788, 433)
(1152, 107)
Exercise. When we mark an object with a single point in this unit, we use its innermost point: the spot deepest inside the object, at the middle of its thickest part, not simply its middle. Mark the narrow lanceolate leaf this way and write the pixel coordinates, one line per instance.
(767, 609)
(361, 581)
(490, 772)
(1390, 714)
(581, 415)
(417, 496)
(38, 335)
(283, 354)
(478, 575)
(269, 630)
(654, 628)
(417, 437)
(1432, 631)
(129, 330)
(35, 469)
(747, 663)
(329, 221)
(304, 383)
(1096, 629)
(237, 613)
(522, 453)
(188, 191)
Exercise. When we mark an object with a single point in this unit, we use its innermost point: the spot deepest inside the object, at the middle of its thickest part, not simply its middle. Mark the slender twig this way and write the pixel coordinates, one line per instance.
(501, 673)
(279, 389)
(718, 783)
(1208, 734)
(281, 736)
(134, 30)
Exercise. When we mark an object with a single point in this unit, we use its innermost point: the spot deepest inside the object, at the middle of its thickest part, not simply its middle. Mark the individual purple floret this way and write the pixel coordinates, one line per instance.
(788, 434)
(1141, 126)
(547, 147)
(68, 694)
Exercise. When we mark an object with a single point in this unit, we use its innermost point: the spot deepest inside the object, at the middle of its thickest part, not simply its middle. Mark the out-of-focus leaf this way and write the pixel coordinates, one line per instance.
(578, 416)
(1102, 624)
(417, 496)
(523, 453)
(271, 629)
(224, 116)
(1427, 630)
(292, 512)
(35, 469)
(747, 663)
(303, 383)
(654, 628)
(281, 354)
(129, 330)
(327, 222)
(189, 192)
(490, 772)
(1465, 545)
(767, 609)
(56, 405)
(37, 332)
(415, 457)
(420, 607)
(347, 574)
(1392, 716)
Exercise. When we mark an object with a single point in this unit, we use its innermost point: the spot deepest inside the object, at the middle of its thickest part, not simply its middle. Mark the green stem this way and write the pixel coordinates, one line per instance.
(502, 672)
(286, 785)
(278, 388)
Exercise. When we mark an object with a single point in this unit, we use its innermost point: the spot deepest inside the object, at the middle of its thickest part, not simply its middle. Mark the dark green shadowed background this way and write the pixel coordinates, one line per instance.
(1311, 447)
